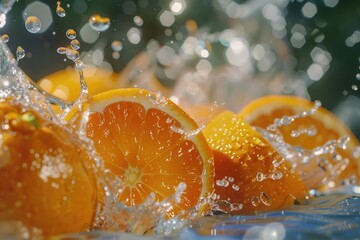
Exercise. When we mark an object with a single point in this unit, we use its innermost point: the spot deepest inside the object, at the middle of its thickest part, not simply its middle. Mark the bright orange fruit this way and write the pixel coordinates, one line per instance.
(65, 84)
(310, 132)
(46, 182)
(152, 145)
(248, 170)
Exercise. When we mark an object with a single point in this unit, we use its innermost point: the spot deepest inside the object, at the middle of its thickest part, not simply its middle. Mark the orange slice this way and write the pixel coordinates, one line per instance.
(249, 173)
(342, 165)
(152, 145)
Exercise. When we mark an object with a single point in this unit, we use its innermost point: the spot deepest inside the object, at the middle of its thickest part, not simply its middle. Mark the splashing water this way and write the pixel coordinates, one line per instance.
(33, 24)
(320, 159)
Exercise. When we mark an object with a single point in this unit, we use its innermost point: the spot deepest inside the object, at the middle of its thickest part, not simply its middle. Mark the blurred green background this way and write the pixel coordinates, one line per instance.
(305, 28)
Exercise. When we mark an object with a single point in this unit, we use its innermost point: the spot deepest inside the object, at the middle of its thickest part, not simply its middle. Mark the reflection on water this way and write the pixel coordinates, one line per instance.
(333, 216)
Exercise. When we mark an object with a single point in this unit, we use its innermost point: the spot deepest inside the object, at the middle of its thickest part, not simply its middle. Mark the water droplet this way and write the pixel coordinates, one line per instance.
(99, 23)
(20, 53)
(260, 177)
(75, 44)
(265, 199)
(255, 201)
(138, 21)
(358, 76)
(116, 46)
(71, 34)
(235, 187)
(59, 10)
(276, 175)
(5, 38)
(72, 54)
(61, 50)
(33, 24)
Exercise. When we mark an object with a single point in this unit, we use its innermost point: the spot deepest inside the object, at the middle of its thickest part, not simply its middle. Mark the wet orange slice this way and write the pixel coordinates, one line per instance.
(152, 145)
(309, 132)
(249, 174)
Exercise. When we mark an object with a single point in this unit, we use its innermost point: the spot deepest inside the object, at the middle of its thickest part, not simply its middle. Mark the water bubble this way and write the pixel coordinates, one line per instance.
(72, 54)
(61, 50)
(71, 33)
(116, 46)
(5, 38)
(99, 23)
(20, 53)
(59, 10)
(265, 199)
(354, 87)
(75, 44)
(33, 24)
(255, 201)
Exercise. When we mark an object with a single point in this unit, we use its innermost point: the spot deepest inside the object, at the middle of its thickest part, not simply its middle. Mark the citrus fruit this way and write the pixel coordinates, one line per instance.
(152, 145)
(45, 179)
(202, 113)
(65, 84)
(315, 130)
(249, 173)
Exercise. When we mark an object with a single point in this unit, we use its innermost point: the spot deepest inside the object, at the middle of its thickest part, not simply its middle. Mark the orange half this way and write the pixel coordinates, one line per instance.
(343, 165)
(152, 145)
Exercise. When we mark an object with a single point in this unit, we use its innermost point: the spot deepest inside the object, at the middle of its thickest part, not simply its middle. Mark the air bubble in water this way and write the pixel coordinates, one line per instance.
(33, 24)
(116, 46)
(59, 10)
(71, 33)
(354, 87)
(255, 201)
(265, 199)
(5, 38)
(75, 44)
(20, 53)
(99, 23)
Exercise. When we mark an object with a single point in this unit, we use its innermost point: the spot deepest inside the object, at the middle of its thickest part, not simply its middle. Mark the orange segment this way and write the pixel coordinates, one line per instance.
(152, 145)
(262, 113)
(248, 170)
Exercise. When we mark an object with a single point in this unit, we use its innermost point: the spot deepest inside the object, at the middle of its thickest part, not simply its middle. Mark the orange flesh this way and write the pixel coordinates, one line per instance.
(264, 111)
(142, 148)
(240, 154)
